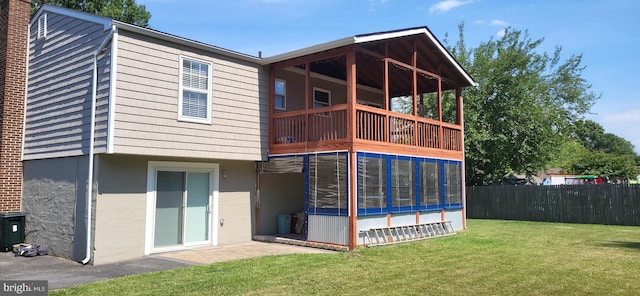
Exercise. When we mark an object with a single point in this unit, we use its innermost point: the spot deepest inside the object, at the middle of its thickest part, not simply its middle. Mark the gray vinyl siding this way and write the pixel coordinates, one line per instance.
(147, 97)
(59, 88)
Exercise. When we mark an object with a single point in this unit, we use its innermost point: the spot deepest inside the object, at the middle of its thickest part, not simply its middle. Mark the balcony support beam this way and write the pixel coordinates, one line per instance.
(351, 128)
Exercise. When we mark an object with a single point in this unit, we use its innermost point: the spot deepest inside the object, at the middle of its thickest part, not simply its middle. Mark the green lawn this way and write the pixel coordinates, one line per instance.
(490, 258)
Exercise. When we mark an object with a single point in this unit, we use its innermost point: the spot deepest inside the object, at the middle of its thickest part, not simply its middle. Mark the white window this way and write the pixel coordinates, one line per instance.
(195, 90)
(321, 97)
(42, 26)
(280, 95)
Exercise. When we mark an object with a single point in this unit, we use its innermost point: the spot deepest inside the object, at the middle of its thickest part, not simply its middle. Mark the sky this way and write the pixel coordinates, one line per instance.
(605, 32)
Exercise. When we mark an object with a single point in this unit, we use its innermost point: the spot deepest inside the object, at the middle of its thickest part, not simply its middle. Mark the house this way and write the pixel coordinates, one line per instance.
(138, 141)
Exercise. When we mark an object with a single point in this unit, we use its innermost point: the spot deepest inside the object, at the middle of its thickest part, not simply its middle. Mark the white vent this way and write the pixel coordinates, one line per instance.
(42, 26)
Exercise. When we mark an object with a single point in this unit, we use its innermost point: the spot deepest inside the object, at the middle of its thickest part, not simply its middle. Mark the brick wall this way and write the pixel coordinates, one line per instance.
(14, 24)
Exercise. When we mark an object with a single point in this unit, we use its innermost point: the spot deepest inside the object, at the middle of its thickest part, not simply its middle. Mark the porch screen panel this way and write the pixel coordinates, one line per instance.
(402, 184)
(328, 185)
(453, 183)
(372, 184)
(430, 178)
(287, 164)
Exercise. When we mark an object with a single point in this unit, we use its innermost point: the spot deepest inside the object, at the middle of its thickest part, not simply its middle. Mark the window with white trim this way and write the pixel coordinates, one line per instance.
(42, 26)
(321, 97)
(280, 94)
(195, 90)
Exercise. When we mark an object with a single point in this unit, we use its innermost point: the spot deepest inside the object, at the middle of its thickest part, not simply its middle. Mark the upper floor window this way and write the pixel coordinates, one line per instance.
(195, 90)
(42, 26)
(280, 95)
(321, 97)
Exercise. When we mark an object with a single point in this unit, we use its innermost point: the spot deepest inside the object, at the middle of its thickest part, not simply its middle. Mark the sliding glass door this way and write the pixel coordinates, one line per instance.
(182, 208)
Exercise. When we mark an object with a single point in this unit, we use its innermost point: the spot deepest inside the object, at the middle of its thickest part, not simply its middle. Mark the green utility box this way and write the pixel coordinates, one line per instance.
(11, 230)
(284, 223)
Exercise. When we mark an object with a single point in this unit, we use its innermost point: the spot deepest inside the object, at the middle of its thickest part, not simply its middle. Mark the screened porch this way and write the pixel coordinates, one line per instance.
(390, 190)
(390, 95)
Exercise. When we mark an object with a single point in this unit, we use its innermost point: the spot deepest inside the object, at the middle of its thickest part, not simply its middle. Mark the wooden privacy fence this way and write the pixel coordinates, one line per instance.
(593, 204)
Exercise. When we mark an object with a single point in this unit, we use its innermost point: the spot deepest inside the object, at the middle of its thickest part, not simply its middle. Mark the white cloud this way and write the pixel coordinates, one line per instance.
(500, 33)
(447, 5)
(501, 23)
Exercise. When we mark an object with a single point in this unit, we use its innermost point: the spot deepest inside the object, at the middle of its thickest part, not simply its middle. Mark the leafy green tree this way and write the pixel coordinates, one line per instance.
(525, 102)
(607, 155)
(593, 137)
(567, 154)
(615, 145)
(608, 165)
(587, 132)
(122, 10)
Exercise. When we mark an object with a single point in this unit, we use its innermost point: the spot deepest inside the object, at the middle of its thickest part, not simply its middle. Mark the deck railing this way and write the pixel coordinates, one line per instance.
(320, 124)
(372, 124)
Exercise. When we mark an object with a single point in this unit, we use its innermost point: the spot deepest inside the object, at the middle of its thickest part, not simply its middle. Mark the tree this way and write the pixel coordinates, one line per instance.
(607, 155)
(593, 137)
(122, 10)
(567, 154)
(608, 165)
(525, 102)
(587, 132)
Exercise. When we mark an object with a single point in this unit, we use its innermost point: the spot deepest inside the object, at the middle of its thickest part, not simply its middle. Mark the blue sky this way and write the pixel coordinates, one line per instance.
(604, 31)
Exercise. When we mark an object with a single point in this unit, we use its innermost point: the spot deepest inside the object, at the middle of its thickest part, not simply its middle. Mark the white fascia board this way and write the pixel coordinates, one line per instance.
(389, 35)
(105, 21)
(309, 50)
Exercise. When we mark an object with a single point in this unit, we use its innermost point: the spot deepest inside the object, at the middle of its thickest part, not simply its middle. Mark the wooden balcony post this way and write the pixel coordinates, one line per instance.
(352, 128)
(414, 63)
(351, 94)
(440, 127)
(385, 86)
(307, 99)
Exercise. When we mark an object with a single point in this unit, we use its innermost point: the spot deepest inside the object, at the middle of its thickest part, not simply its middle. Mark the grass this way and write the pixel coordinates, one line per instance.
(492, 257)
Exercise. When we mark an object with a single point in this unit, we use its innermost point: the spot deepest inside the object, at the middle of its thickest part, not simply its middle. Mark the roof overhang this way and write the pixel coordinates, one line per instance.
(360, 39)
(108, 23)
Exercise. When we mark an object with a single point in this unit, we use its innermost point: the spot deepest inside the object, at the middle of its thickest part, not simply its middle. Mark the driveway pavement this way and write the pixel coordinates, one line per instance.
(62, 273)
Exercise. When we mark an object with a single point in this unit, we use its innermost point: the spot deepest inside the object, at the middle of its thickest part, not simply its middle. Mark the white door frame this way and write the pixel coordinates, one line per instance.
(152, 168)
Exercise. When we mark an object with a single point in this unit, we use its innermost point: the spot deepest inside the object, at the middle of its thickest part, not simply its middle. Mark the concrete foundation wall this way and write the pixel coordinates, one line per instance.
(54, 194)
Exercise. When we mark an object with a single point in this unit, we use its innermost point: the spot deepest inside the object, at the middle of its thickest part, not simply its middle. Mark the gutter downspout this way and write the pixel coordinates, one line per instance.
(92, 131)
